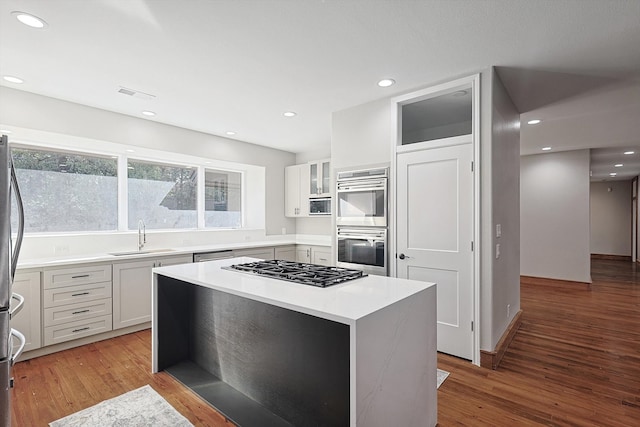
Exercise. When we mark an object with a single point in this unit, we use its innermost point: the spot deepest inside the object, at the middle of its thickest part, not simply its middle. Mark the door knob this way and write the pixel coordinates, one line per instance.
(402, 256)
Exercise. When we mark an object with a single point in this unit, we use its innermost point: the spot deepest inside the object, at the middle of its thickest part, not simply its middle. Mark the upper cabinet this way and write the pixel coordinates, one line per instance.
(303, 182)
(320, 179)
(296, 194)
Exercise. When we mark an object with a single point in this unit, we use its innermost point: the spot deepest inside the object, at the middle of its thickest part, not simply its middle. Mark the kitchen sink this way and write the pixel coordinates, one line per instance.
(148, 251)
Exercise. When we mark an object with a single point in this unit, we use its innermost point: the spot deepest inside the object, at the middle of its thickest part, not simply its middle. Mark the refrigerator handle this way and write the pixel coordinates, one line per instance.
(16, 250)
(13, 311)
(23, 341)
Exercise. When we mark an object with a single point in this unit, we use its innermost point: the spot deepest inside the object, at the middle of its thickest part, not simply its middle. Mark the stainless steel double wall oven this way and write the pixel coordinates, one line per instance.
(361, 220)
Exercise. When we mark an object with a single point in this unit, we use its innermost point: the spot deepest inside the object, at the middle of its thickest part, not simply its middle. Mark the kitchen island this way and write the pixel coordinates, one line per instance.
(266, 352)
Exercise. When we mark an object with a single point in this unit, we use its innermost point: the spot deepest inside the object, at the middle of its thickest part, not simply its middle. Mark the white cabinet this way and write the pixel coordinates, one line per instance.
(303, 253)
(313, 254)
(296, 195)
(132, 289)
(320, 178)
(260, 253)
(28, 319)
(321, 256)
(286, 253)
(76, 302)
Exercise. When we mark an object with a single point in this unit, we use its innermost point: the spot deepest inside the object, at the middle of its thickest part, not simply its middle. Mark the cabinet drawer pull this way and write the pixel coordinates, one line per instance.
(80, 276)
(80, 294)
(81, 311)
(86, 328)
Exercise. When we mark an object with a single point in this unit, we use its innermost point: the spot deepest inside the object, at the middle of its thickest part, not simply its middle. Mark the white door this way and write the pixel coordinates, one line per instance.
(435, 233)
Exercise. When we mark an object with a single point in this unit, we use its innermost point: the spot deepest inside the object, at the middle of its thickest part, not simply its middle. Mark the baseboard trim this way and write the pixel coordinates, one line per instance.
(491, 359)
(43, 351)
(611, 257)
(533, 280)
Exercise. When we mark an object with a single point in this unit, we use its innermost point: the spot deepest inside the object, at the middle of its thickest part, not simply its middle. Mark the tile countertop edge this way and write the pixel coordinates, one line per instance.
(172, 251)
(345, 303)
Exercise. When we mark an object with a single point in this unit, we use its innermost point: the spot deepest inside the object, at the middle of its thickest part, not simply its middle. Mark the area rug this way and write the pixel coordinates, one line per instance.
(140, 407)
(442, 375)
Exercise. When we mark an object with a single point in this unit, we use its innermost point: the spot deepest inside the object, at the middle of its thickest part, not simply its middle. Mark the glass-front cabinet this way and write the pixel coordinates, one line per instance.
(319, 182)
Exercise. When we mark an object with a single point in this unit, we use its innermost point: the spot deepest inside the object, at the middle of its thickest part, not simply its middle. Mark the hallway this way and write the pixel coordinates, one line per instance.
(574, 361)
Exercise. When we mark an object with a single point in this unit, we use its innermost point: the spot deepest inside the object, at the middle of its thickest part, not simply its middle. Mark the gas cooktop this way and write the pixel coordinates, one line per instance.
(299, 272)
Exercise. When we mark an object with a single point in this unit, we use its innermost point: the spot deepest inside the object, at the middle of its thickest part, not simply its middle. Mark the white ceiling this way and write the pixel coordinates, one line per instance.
(233, 65)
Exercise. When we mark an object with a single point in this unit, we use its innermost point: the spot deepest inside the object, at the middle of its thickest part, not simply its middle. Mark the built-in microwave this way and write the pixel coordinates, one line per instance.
(320, 206)
(362, 198)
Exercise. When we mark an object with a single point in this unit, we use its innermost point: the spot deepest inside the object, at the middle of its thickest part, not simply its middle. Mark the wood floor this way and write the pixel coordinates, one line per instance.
(574, 362)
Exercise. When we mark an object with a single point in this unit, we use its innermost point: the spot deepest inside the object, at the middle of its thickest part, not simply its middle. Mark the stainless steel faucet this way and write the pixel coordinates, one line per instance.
(142, 234)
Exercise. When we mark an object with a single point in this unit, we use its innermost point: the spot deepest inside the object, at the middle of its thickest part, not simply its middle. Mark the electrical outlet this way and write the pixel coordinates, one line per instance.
(498, 230)
(508, 311)
(497, 250)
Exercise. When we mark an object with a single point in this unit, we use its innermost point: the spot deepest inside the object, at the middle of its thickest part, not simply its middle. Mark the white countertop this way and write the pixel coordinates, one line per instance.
(344, 303)
(150, 252)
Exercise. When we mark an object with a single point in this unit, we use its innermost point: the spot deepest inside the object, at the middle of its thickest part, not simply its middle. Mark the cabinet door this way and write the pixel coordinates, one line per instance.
(325, 189)
(175, 260)
(286, 253)
(296, 196)
(321, 256)
(132, 293)
(29, 319)
(292, 191)
(303, 253)
(260, 253)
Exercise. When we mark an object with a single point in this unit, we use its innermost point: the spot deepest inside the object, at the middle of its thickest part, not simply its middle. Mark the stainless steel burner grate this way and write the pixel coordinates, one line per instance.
(299, 272)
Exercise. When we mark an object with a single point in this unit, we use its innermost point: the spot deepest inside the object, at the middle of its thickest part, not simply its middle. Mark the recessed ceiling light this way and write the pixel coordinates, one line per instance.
(459, 93)
(230, 133)
(148, 113)
(546, 148)
(289, 114)
(613, 174)
(618, 165)
(29, 19)
(5, 131)
(130, 151)
(13, 79)
(534, 122)
(386, 82)
(629, 152)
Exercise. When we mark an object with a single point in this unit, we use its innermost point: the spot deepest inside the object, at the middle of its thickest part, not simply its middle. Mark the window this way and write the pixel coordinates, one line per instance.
(164, 196)
(222, 199)
(65, 191)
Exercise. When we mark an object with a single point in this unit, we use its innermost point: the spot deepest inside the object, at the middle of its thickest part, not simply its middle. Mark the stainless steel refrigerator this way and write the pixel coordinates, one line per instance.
(10, 303)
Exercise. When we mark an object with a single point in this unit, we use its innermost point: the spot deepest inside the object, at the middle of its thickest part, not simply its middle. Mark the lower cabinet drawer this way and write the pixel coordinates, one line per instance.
(75, 294)
(78, 329)
(73, 312)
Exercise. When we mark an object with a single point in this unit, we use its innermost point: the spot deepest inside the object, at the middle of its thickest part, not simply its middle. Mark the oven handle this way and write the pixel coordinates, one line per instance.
(363, 185)
(361, 234)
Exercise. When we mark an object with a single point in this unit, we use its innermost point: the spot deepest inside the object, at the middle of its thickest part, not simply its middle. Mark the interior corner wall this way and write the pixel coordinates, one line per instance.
(31, 111)
(554, 216)
(361, 135)
(611, 205)
(505, 212)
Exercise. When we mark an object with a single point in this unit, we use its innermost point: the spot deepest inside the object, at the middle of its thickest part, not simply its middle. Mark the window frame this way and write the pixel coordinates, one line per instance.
(157, 157)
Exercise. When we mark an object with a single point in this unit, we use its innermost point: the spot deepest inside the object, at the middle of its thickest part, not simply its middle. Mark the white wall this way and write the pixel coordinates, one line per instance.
(611, 204)
(554, 215)
(361, 135)
(505, 211)
(31, 111)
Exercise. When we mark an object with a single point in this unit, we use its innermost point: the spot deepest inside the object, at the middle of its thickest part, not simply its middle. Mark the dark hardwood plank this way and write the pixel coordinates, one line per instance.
(575, 361)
